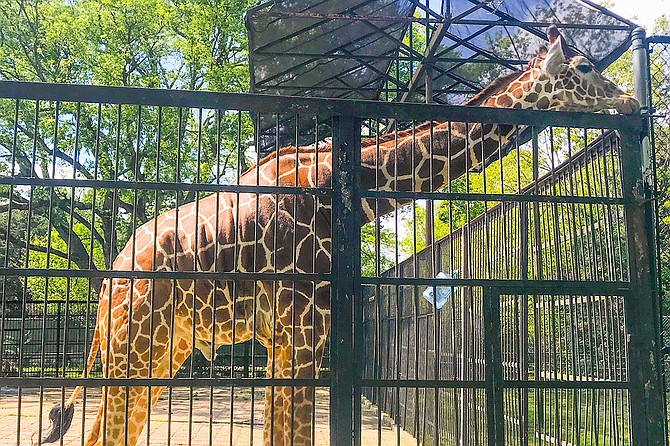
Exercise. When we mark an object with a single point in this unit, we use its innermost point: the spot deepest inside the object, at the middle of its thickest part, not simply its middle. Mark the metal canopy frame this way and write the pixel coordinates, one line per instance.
(406, 39)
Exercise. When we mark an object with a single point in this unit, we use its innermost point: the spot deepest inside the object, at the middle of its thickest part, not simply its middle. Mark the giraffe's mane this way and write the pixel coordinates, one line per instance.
(478, 99)
(493, 88)
(288, 150)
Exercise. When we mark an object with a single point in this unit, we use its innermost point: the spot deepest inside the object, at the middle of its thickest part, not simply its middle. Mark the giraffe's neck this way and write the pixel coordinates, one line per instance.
(429, 156)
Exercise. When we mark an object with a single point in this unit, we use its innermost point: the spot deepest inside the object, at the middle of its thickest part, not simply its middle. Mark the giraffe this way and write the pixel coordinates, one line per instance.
(148, 328)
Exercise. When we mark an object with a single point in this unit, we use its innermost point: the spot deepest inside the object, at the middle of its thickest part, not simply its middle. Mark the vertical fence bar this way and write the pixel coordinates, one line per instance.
(346, 276)
(465, 373)
(493, 357)
(647, 425)
(523, 327)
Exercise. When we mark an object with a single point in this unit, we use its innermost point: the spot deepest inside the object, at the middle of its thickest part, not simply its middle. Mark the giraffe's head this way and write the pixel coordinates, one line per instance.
(561, 79)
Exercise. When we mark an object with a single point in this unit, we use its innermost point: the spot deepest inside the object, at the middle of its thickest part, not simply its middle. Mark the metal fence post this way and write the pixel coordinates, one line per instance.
(345, 400)
(642, 93)
(647, 405)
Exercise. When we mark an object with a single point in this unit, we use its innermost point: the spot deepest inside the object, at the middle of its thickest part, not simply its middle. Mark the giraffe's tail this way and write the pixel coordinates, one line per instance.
(61, 415)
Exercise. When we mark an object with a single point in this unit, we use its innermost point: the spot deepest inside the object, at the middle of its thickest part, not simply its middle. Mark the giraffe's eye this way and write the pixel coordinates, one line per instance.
(584, 68)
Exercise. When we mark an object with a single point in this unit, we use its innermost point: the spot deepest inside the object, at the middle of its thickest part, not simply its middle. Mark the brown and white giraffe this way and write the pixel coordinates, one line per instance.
(148, 328)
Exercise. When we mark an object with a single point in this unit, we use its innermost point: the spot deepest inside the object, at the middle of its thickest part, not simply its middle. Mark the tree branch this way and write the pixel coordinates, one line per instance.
(31, 246)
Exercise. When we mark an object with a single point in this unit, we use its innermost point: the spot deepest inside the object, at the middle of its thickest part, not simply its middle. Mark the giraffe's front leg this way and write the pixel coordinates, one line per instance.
(288, 410)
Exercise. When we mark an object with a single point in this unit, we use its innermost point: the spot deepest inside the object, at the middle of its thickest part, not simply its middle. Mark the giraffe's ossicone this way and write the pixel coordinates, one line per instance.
(148, 328)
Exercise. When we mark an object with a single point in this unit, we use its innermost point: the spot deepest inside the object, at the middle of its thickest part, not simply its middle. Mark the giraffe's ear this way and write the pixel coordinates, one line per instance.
(555, 57)
(553, 34)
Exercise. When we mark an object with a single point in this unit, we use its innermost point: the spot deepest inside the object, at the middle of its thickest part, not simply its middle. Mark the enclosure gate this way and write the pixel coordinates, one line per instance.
(97, 161)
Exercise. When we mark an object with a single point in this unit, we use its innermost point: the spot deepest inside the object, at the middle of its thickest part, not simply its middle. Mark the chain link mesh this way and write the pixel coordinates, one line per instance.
(659, 60)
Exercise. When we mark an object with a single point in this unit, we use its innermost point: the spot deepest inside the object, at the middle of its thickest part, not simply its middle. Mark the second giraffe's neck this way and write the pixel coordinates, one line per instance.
(430, 155)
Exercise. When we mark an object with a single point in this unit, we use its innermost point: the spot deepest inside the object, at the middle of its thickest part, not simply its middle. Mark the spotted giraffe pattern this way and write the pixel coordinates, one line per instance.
(148, 328)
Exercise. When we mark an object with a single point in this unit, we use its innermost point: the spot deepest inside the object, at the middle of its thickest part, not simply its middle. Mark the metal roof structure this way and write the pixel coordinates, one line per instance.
(365, 49)
(396, 50)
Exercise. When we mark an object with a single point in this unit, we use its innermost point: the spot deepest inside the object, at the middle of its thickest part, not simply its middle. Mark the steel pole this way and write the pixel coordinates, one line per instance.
(642, 93)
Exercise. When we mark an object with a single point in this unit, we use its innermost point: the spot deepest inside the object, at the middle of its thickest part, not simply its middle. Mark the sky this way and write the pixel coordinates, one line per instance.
(642, 12)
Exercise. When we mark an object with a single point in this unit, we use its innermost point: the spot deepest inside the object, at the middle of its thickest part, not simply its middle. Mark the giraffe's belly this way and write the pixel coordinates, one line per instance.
(219, 307)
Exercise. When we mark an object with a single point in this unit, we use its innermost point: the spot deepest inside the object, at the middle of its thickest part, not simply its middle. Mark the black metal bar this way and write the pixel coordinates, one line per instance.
(526, 198)
(392, 57)
(642, 318)
(291, 190)
(197, 382)
(148, 274)
(159, 185)
(446, 21)
(305, 106)
(531, 286)
(641, 78)
(658, 39)
(346, 212)
(194, 382)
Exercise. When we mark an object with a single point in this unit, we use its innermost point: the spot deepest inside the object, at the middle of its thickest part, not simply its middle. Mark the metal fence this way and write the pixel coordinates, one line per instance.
(551, 278)
(44, 343)
(557, 335)
(659, 102)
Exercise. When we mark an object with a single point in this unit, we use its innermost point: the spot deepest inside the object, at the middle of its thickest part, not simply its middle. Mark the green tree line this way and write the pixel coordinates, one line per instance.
(169, 44)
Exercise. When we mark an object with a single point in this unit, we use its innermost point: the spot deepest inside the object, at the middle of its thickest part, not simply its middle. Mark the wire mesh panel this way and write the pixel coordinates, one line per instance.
(659, 83)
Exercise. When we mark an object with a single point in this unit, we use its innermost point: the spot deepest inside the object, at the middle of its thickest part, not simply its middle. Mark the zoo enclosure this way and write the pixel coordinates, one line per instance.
(134, 120)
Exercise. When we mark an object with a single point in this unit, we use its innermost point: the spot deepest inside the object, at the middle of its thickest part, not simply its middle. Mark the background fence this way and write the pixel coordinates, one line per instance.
(659, 100)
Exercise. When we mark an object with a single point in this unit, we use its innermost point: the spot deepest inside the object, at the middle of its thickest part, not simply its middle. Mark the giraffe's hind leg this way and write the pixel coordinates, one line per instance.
(295, 353)
(123, 422)
(133, 337)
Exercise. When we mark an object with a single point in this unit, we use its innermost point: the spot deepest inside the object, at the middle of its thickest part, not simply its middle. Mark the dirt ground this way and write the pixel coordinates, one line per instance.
(220, 423)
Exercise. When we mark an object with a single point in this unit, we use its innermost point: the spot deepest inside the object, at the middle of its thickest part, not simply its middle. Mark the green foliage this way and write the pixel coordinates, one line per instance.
(508, 175)
(194, 44)
(151, 43)
(377, 245)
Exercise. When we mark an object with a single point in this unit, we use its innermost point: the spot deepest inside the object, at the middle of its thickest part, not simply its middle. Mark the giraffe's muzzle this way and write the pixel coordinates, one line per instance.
(627, 105)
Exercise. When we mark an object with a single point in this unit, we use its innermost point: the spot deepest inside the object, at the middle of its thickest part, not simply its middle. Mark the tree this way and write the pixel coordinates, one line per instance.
(191, 44)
